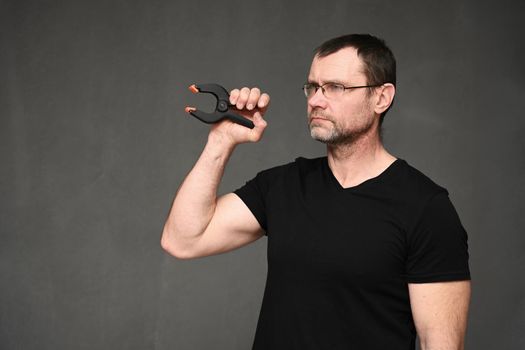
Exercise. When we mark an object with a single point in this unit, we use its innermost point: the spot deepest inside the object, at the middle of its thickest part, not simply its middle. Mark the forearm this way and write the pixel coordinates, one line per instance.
(195, 201)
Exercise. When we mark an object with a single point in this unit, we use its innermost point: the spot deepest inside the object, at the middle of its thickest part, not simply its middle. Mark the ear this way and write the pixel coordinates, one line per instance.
(384, 97)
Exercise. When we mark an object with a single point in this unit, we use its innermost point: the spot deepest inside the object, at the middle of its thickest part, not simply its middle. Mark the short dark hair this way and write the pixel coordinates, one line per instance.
(378, 60)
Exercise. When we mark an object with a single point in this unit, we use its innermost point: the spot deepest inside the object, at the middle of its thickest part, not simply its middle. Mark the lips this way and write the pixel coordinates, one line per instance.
(317, 118)
(317, 114)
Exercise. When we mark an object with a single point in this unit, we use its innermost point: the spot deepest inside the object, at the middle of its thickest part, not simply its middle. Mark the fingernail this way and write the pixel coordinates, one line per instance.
(250, 106)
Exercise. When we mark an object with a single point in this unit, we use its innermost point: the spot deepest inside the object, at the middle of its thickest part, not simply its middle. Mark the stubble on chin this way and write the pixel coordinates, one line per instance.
(330, 133)
(317, 126)
(327, 133)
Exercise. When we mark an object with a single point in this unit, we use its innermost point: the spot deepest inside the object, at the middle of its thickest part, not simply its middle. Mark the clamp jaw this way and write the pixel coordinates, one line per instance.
(222, 110)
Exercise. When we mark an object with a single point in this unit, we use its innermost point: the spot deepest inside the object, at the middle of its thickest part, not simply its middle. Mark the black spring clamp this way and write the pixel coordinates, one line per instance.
(222, 109)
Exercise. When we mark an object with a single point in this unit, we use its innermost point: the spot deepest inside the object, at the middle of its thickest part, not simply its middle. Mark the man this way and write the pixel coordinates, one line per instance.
(363, 249)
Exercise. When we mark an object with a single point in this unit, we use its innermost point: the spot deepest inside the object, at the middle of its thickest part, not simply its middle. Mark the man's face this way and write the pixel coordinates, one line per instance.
(339, 120)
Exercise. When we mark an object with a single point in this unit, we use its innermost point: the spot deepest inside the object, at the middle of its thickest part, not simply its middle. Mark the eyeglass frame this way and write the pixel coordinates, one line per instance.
(317, 87)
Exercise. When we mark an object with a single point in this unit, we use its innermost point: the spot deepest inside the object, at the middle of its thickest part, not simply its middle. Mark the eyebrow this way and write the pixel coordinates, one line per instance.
(336, 81)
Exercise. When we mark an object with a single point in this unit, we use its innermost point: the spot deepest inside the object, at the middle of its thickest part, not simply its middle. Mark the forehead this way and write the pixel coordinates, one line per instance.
(341, 66)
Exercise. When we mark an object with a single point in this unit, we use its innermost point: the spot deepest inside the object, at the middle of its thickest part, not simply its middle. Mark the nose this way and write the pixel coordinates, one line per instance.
(317, 99)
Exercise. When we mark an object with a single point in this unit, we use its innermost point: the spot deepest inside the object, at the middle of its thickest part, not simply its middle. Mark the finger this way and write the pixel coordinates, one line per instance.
(255, 93)
(260, 124)
(241, 102)
(264, 100)
(234, 95)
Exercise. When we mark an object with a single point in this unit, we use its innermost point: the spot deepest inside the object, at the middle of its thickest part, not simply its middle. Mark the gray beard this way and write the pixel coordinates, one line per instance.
(338, 136)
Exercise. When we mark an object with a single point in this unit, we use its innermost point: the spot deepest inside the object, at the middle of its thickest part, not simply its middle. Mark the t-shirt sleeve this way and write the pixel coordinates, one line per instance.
(438, 244)
(253, 194)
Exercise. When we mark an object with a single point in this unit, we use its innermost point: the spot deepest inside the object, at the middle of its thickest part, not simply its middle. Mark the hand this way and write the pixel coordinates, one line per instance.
(249, 103)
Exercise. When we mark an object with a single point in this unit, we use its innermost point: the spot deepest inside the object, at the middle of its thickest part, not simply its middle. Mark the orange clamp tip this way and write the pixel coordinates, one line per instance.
(190, 109)
(193, 89)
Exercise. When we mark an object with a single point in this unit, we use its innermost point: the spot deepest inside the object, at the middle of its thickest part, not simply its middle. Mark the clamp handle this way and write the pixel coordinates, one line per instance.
(212, 118)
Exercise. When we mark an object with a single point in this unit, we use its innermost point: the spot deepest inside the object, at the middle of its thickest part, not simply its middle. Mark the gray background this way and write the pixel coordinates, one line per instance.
(94, 143)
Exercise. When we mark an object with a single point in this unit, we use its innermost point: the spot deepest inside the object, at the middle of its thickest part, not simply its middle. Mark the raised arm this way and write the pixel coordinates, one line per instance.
(199, 224)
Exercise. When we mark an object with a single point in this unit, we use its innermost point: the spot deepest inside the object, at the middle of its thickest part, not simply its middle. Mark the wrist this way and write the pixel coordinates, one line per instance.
(219, 146)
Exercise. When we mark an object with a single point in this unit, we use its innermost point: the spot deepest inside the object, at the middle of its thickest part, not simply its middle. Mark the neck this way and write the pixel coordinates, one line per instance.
(358, 161)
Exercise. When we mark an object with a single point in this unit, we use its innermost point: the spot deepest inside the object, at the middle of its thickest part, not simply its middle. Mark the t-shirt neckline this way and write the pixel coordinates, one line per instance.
(372, 180)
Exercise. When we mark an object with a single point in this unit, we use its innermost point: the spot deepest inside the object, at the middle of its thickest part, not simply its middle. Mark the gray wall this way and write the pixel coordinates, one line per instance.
(94, 143)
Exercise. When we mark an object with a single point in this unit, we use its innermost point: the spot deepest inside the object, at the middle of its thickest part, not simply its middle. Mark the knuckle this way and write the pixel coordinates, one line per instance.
(264, 100)
(234, 94)
(254, 97)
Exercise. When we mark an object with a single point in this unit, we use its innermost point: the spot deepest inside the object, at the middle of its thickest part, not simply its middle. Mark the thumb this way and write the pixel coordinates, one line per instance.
(258, 120)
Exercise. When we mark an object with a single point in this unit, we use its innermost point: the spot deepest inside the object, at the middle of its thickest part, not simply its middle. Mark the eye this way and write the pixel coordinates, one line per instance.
(334, 88)
(311, 88)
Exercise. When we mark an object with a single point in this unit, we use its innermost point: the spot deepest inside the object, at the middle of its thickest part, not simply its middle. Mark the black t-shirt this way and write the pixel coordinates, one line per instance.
(339, 260)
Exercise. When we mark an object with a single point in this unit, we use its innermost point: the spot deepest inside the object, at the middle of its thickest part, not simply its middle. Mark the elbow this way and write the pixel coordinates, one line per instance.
(165, 244)
(171, 248)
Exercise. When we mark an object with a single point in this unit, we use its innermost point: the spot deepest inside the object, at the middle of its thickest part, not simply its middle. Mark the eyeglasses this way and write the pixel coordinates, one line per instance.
(330, 90)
